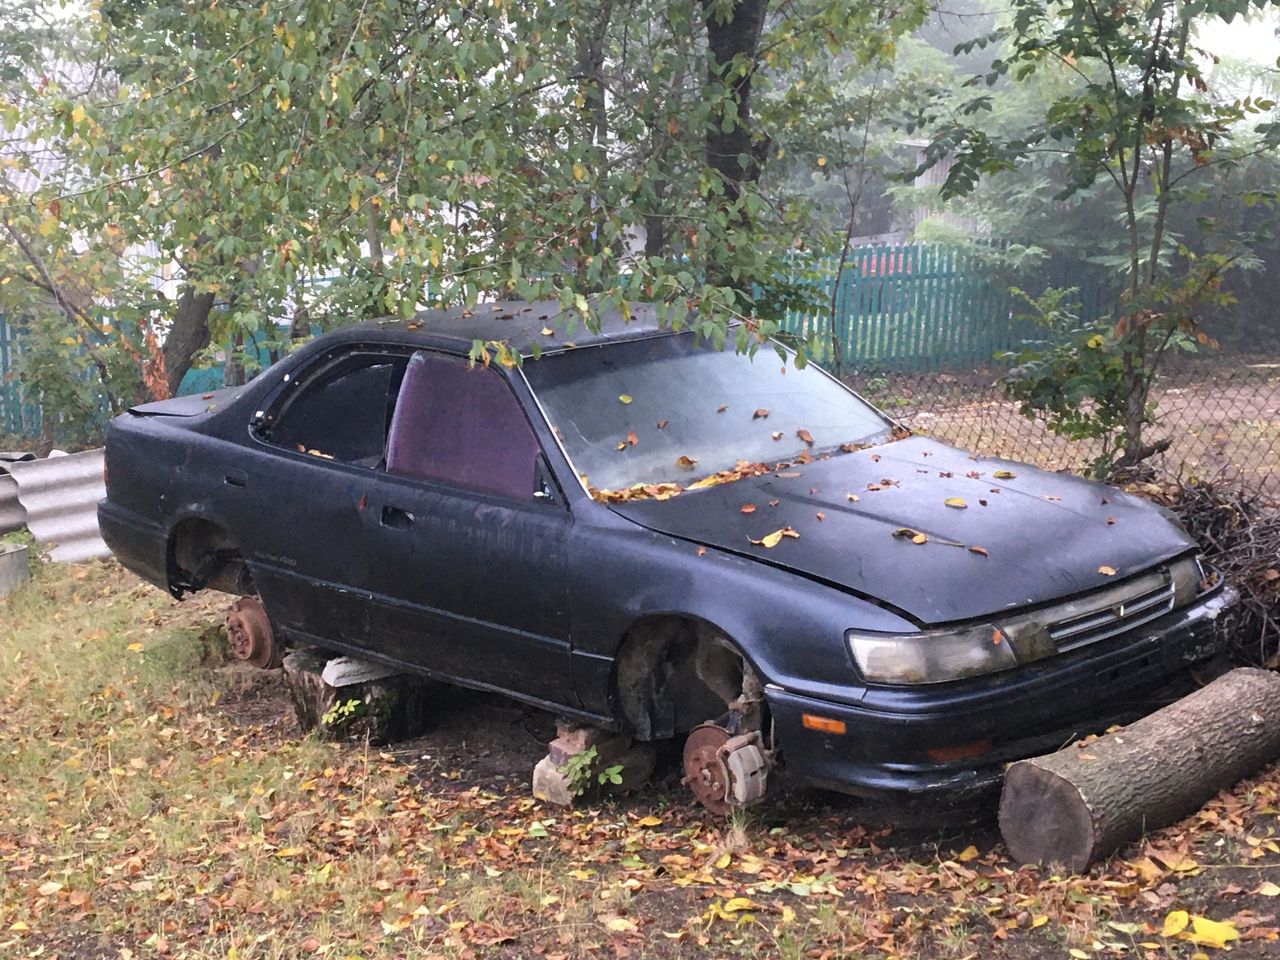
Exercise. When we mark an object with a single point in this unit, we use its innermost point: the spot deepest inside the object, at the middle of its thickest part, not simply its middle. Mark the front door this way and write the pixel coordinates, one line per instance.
(466, 542)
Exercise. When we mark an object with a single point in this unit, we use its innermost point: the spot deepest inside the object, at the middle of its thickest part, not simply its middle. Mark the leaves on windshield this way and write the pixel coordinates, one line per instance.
(771, 540)
(722, 408)
(906, 533)
(624, 398)
(665, 490)
(980, 551)
(1004, 475)
(777, 435)
(1107, 571)
(760, 414)
(852, 497)
(747, 508)
(956, 503)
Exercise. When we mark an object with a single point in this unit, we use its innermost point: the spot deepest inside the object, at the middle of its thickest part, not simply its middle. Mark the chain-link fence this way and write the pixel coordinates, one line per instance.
(1221, 414)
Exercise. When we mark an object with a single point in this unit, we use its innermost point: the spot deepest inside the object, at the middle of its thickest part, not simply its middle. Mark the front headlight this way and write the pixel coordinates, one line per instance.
(931, 657)
(1190, 579)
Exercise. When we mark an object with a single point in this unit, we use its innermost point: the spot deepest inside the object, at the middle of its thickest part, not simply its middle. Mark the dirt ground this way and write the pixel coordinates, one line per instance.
(156, 801)
(1223, 420)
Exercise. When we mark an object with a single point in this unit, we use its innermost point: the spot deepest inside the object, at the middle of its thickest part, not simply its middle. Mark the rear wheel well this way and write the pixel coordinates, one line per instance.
(674, 672)
(203, 555)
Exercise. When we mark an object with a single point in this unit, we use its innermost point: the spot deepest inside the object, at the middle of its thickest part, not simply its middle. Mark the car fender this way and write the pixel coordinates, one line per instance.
(788, 627)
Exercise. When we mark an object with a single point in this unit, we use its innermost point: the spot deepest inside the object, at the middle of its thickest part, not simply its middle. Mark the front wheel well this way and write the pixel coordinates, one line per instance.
(674, 672)
(201, 555)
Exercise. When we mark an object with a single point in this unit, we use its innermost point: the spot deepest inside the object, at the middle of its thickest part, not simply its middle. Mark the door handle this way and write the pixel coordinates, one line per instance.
(396, 519)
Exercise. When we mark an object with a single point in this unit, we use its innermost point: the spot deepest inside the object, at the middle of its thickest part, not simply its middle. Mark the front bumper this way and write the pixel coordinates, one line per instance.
(1022, 713)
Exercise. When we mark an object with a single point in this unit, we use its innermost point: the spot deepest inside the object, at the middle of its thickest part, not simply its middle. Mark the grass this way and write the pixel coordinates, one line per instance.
(156, 801)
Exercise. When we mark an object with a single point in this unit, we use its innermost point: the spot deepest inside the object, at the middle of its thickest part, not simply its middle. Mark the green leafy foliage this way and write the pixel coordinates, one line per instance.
(303, 164)
(585, 771)
(1074, 376)
(1123, 110)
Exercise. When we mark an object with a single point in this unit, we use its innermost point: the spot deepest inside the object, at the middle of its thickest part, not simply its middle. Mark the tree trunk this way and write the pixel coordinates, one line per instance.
(732, 43)
(732, 150)
(1082, 803)
(590, 43)
(188, 335)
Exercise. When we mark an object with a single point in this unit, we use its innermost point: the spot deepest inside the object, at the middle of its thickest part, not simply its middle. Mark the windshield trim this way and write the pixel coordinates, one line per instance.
(891, 424)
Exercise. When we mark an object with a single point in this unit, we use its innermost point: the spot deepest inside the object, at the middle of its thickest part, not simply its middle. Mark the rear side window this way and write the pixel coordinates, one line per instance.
(461, 425)
(344, 411)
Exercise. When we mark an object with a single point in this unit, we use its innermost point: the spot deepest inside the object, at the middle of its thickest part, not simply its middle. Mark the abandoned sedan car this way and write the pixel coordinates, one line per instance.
(645, 533)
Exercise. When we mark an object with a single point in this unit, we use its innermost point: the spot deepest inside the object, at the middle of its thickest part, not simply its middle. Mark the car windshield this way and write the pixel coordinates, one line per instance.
(675, 409)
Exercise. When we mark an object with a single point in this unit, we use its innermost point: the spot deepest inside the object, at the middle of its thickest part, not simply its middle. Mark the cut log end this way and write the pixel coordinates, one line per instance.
(1044, 819)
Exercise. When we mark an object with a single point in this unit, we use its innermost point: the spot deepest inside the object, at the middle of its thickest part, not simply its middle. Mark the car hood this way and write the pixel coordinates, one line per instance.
(1039, 536)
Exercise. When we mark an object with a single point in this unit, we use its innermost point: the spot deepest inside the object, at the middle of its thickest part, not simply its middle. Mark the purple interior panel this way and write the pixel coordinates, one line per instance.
(461, 425)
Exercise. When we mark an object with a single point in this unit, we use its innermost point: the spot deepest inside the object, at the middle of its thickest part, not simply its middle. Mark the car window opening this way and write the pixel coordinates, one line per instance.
(344, 414)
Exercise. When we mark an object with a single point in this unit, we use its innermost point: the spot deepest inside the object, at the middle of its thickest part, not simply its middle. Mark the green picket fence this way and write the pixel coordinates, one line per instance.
(19, 415)
(913, 307)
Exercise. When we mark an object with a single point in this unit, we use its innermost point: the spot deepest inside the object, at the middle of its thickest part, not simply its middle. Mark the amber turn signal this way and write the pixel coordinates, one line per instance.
(822, 724)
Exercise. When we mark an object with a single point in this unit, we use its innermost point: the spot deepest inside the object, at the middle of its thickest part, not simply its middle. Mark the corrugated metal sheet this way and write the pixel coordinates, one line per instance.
(60, 496)
(12, 516)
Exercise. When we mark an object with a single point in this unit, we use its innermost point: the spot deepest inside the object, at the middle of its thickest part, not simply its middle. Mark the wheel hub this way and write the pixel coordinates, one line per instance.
(704, 771)
(249, 634)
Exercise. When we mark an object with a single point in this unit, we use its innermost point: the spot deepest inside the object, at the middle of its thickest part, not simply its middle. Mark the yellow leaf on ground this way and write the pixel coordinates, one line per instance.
(1078, 953)
(737, 904)
(620, 925)
(49, 888)
(967, 854)
(1268, 889)
(1039, 921)
(723, 861)
(290, 852)
(649, 821)
(1175, 923)
(134, 648)
(1211, 933)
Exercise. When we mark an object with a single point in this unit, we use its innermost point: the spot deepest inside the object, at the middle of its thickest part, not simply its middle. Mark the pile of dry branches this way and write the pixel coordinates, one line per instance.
(1241, 537)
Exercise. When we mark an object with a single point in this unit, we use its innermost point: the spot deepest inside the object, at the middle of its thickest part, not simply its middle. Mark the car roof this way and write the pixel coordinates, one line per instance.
(518, 323)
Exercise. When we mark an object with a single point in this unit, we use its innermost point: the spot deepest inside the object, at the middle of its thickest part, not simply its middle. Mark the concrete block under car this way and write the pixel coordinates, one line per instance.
(363, 701)
(552, 785)
(15, 567)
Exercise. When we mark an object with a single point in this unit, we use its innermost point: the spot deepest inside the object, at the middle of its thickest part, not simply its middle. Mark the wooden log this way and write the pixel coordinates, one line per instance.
(1078, 805)
(374, 705)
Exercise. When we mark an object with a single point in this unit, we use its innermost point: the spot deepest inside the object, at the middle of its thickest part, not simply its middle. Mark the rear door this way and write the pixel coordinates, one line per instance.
(466, 537)
(306, 489)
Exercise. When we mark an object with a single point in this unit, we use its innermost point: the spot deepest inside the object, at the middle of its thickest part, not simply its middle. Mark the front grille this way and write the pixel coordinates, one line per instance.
(1110, 612)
